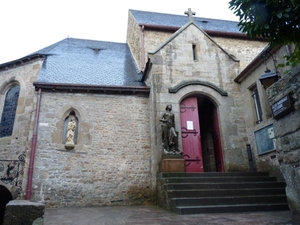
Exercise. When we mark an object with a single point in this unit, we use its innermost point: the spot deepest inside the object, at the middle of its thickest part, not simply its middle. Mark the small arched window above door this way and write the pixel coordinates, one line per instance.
(9, 111)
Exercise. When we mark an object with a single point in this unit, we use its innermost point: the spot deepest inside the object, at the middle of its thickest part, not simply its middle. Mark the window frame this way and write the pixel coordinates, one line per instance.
(3, 100)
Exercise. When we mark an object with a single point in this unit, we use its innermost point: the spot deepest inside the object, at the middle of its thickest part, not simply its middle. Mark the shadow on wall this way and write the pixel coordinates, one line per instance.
(5, 197)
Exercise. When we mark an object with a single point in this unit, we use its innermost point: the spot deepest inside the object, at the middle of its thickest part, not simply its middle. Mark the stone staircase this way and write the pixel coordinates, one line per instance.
(192, 193)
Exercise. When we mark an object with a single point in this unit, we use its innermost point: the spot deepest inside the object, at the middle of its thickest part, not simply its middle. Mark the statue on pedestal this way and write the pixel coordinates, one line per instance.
(169, 134)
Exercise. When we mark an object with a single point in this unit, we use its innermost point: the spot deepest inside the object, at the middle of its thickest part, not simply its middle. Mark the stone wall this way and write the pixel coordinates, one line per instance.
(20, 141)
(133, 39)
(110, 163)
(287, 133)
(243, 49)
(266, 161)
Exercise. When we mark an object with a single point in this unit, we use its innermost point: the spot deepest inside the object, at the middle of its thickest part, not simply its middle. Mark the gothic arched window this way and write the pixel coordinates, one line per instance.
(9, 111)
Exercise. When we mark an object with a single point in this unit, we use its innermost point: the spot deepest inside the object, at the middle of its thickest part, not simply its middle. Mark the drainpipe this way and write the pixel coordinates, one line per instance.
(143, 49)
(33, 145)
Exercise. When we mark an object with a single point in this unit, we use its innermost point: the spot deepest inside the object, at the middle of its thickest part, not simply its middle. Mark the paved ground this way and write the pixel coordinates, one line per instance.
(149, 215)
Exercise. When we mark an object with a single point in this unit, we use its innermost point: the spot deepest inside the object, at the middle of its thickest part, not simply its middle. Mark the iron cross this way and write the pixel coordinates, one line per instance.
(190, 14)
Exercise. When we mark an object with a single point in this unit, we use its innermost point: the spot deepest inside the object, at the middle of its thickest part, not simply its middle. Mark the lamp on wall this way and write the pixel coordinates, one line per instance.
(269, 77)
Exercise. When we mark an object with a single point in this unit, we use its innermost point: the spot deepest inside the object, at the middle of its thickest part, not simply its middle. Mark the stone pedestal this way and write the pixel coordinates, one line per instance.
(69, 146)
(23, 212)
(169, 165)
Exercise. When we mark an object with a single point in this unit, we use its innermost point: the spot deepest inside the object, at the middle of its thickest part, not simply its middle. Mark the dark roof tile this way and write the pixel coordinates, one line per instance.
(78, 61)
(170, 20)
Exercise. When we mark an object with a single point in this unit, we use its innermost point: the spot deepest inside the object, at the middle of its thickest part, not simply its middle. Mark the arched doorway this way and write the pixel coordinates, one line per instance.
(5, 197)
(201, 141)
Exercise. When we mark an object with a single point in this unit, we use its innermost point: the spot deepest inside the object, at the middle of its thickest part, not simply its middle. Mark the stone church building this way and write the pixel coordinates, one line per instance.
(80, 119)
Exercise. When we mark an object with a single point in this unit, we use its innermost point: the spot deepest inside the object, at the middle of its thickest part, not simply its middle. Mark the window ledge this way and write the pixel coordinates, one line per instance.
(5, 140)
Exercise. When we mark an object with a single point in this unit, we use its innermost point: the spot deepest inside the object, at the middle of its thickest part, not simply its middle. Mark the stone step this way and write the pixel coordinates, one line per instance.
(189, 193)
(213, 174)
(228, 200)
(223, 192)
(230, 208)
(216, 179)
(224, 185)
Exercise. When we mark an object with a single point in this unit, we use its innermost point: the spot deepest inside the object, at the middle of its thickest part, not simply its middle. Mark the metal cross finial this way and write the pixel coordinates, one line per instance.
(190, 13)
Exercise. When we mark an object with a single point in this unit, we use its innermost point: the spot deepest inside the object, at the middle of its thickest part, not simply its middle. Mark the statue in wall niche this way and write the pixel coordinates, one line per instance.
(169, 134)
(71, 131)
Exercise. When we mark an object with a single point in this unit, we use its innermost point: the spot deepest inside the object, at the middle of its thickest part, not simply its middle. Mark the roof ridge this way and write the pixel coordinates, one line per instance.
(195, 17)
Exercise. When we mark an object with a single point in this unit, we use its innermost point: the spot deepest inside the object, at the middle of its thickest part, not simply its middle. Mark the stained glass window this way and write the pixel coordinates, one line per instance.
(9, 111)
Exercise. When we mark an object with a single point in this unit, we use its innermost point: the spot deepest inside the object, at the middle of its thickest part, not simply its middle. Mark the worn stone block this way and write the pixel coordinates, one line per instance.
(24, 213)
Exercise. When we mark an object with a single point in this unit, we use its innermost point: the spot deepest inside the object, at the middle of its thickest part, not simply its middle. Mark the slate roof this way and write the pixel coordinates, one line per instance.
(170, 20)
(88, 62)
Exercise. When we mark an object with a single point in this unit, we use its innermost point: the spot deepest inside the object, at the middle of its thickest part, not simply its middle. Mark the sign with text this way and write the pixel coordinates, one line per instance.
(282, 107)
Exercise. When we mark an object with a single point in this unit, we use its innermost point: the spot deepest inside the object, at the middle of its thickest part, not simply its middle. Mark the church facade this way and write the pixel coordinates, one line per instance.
(86, 129)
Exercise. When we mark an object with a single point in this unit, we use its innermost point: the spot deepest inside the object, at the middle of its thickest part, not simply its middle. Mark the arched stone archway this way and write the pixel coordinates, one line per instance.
(5, 197)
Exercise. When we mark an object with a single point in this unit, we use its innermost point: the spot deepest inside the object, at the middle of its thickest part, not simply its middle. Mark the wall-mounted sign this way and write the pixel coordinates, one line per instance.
(265, 139)
(282, 107)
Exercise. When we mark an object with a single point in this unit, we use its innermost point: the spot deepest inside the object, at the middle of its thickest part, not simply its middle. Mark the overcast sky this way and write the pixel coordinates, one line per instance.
(29, 25)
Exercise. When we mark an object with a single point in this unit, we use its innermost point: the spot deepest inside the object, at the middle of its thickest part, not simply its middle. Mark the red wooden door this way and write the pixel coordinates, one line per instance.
(191, 138)
(217, 143)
